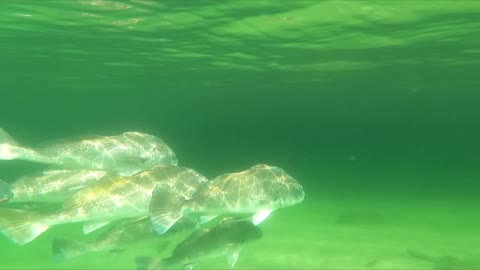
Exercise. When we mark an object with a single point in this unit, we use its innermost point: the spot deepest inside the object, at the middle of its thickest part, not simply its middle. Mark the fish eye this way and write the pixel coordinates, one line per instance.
(154, 150)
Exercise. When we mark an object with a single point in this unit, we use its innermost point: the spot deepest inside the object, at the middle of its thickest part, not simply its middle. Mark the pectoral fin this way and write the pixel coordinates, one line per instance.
(260, 216)
(165, 209)
(232, 259)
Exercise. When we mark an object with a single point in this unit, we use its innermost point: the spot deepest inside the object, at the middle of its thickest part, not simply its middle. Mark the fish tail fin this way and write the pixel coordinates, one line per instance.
(21, 226)
(10, 149)
(6, 192)
(165, 209)
(148, 263)
(65, 249)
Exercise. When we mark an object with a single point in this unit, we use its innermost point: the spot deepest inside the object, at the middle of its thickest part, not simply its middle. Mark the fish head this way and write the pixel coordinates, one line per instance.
(286, 191)
(290, 194)
(152, 150)
(159, 155)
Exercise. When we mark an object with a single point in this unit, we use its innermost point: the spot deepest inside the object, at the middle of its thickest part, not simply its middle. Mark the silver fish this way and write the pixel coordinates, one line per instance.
(258, 191)
(52, 186)
(126, 154)
(117, 239)
(226, 239)
(113, 198)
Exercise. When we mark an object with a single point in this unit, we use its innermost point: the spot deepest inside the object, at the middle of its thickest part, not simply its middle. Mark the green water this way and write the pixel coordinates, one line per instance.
(373, 106)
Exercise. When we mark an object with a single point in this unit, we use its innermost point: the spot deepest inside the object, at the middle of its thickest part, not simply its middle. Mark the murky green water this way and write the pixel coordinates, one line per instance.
(372, 106)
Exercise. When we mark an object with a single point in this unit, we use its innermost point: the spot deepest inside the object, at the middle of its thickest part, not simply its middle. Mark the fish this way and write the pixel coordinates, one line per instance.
(258, 190)
(117, 239)
(113, 198)
(226, 239)
(52, 186)
(466, 261)
(125, 154)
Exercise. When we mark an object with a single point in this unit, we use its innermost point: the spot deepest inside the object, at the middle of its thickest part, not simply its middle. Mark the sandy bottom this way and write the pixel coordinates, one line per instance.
(332, 233)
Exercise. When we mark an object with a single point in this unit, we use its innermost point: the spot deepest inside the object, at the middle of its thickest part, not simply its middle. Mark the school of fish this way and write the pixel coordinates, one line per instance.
(132, 186)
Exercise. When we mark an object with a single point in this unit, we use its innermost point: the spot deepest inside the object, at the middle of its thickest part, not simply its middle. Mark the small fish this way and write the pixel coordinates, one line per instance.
(226, 239)
(113, 198)
(258, 191)
(125, 154)
(118, 238)
(51, 186)
(449, 262)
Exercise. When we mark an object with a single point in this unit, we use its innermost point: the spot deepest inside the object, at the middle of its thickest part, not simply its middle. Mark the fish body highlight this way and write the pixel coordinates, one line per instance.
(125, 154)
(258, 191)
(53, 185)
(113, 198)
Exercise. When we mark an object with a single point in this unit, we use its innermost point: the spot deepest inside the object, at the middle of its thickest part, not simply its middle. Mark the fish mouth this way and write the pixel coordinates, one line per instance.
(298, 194)
(174, 158)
